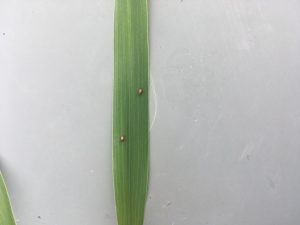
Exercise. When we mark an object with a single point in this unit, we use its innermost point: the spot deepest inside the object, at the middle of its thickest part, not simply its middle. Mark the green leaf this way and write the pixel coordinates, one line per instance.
(6, 215)
(130, 111)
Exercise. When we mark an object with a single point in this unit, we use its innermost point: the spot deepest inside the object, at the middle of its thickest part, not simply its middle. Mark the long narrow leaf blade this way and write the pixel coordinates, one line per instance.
(6, 215)
(130, 111)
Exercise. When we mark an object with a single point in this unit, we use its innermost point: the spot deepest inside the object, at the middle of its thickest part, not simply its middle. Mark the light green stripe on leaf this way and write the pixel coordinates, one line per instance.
(6, 215)
(130, 110)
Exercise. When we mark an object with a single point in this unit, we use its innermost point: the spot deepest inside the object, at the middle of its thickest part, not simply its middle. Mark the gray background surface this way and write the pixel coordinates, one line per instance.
(225, 145)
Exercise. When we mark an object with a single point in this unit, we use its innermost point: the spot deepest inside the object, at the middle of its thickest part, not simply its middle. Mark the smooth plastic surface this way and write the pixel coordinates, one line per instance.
(225, 138)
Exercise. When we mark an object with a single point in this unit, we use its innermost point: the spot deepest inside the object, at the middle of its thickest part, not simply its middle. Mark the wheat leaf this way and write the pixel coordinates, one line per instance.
(130, 111)
(6, 215)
